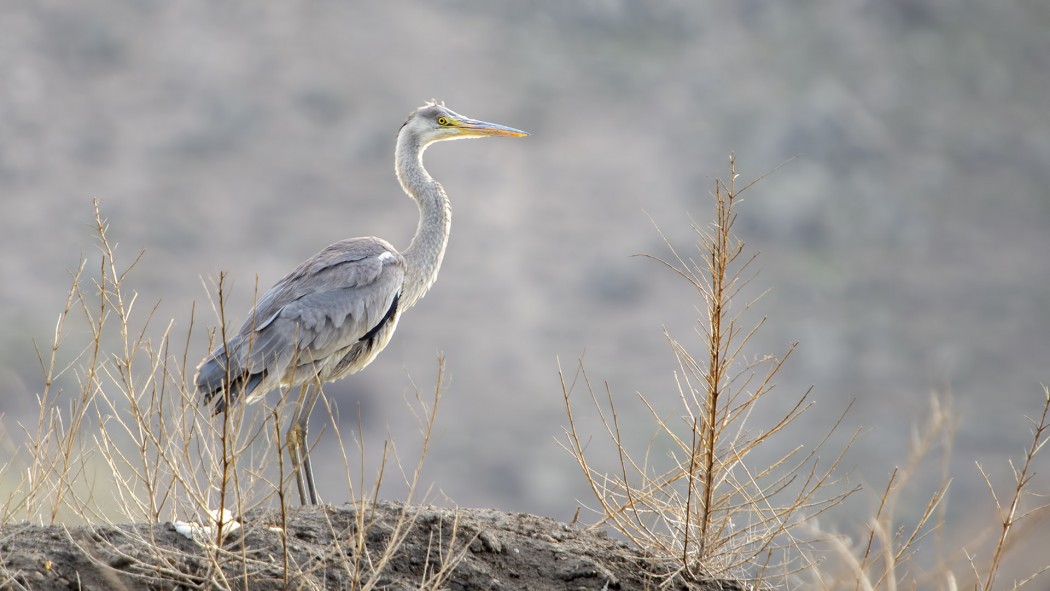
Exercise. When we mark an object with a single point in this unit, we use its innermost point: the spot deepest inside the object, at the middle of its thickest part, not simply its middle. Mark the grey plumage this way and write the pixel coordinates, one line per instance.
(320, 321)
(333, 314)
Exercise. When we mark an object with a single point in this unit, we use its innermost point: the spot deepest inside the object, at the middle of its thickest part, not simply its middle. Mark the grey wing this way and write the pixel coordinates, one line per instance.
(330, 302)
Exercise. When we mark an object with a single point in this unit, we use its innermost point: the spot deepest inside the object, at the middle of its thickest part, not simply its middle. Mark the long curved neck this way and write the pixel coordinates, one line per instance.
(423, 256)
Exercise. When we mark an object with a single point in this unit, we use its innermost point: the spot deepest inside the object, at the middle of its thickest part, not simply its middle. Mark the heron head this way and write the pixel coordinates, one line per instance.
(434, 122)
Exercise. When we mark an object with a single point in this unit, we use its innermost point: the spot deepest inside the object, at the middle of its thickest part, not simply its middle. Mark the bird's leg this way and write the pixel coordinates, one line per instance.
(298, 446)
(295, 441)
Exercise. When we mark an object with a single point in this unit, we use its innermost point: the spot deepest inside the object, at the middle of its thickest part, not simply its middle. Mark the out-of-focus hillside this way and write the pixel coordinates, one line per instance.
(905, 245)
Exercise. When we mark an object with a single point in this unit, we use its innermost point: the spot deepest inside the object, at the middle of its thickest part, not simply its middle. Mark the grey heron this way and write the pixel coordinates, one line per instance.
(334, 313)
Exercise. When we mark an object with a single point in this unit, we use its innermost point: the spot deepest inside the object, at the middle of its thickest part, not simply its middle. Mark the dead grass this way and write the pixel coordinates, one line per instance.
(897, 554)
(133, 445)
(705, 509)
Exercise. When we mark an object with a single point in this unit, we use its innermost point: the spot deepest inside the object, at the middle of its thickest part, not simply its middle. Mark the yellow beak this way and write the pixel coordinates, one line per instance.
(475, 128)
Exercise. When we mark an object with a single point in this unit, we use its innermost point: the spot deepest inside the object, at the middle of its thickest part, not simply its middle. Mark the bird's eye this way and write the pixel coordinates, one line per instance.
(443, 121)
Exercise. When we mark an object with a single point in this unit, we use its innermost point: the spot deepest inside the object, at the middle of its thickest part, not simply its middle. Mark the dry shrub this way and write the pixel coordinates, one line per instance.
(707, 512)
(893, 554)
(703, 509)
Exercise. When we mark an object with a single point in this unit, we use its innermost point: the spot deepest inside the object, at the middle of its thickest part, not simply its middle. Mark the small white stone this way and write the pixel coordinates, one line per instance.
(204, 534)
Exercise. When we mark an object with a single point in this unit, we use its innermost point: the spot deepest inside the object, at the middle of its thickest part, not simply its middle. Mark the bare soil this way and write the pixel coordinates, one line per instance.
(495, 551)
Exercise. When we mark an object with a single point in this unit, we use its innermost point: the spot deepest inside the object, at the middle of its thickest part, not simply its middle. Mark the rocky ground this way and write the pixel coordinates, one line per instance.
(335, 547)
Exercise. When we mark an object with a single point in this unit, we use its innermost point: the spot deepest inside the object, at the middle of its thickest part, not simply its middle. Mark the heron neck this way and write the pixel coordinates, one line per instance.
(423, 255)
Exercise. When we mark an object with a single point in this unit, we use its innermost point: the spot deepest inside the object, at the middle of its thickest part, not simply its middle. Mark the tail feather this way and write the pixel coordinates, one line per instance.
(212, 377)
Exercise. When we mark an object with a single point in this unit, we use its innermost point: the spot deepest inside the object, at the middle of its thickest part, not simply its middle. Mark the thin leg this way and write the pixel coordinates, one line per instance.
(298, 446)
(295, 446)
(308, 472)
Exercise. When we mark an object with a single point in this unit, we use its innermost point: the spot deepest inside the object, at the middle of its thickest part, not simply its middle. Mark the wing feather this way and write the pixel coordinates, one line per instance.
(326, 304)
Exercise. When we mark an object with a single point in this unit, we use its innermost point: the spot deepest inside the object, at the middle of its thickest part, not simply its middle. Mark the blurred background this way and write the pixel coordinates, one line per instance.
(905, 246)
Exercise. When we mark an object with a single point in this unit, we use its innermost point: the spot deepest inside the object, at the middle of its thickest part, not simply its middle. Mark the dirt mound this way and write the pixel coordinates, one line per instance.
(334, 547)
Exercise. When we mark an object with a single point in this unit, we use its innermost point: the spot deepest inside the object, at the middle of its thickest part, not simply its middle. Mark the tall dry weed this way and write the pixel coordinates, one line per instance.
(895, 553)
(704, 510)
(707, 510)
